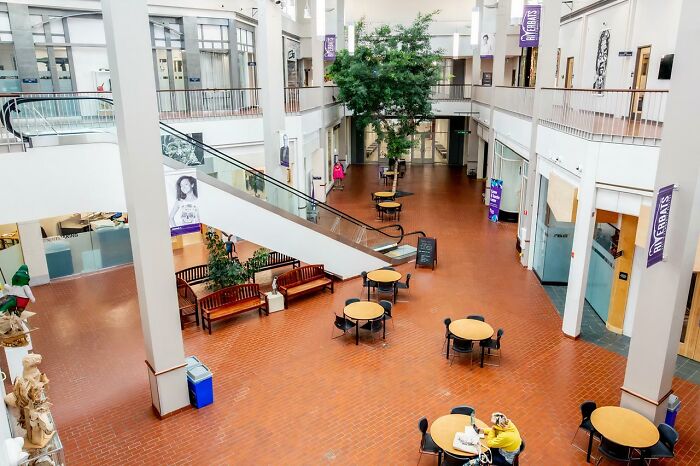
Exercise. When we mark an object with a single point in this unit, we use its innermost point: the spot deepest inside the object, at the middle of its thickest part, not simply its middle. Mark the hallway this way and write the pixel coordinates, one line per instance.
(286, 393)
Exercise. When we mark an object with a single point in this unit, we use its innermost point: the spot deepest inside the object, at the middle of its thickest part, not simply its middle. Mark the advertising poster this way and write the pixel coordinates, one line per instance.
(284, 150)
(601, 61)
(329, 47)
(530, 26)
(487, 45)
(662, 210)
(495, 199)
(181, 150)
(183, 201)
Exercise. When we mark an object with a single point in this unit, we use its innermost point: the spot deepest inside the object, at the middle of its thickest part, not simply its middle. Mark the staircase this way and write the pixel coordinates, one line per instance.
(442, 150)
(370, 149)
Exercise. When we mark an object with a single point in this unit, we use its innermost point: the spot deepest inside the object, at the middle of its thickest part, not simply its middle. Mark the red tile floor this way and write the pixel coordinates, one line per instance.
(286, 393)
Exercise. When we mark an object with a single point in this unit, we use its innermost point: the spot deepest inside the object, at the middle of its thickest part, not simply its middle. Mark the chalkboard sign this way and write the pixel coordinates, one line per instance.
(426, 253)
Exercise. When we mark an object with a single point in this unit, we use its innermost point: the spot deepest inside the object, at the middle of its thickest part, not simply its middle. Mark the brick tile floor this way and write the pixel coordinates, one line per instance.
(286, 393)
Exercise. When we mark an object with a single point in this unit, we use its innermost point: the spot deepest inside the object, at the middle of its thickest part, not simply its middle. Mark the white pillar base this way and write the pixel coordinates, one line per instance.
(169, 391)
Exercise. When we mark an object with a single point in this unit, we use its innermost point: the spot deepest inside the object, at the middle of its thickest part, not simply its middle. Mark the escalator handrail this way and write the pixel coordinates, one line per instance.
(12, 105)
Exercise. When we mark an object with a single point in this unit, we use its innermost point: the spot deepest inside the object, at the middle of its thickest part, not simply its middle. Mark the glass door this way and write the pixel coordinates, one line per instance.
(424, 145)
(641, 74)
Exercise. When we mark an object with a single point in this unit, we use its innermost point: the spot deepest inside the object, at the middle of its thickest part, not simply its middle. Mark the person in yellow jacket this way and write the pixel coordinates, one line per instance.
(503, 439)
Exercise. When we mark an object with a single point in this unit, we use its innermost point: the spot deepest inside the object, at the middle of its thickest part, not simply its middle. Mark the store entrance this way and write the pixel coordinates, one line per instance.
(641, 73)
(690, 343)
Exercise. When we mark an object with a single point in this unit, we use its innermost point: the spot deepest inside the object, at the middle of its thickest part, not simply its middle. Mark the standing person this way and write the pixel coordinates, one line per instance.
(338, 175)
(503, 439)
(230, 245)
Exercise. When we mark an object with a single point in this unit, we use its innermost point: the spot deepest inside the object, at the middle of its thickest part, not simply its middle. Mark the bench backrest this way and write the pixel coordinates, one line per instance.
(275, 257)
(231, 294)
(302, 274)
(194, 275)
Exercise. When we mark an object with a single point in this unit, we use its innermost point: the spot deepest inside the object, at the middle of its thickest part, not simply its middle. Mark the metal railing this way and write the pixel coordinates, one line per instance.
(189, 104)
(515, 99)
(482, 94)
(450, 92)
(611, 115)
(291, 99)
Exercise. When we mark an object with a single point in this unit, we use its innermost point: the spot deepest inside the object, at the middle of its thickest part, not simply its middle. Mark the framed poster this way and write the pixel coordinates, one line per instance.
(487, 45)
(183, 201)
(181, 150)
(284, 150)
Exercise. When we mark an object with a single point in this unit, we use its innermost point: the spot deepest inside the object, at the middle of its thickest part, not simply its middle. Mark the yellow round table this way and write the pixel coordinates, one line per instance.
(624, 427)
(444, 428)
(390, 206)
(363, 310)
(385, 194)
(383, 276)
(471, 329)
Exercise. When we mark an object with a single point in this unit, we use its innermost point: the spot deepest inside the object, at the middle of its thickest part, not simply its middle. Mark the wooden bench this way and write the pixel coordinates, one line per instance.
(303, 280)
(277, 259)
(187, 302)
(230, 301)
(194, 275)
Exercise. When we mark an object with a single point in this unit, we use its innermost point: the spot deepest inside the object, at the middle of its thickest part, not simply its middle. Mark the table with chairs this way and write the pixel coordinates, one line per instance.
(383, 196)
(375, 315)
(389, 208)
(385, 281)
(464, 332)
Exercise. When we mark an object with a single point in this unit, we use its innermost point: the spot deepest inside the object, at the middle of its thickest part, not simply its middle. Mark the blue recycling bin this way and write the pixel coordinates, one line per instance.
(199, 383)
(672, 408)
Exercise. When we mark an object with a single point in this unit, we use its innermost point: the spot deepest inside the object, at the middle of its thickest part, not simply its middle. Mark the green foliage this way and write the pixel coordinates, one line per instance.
(225, 272)
(387, 82)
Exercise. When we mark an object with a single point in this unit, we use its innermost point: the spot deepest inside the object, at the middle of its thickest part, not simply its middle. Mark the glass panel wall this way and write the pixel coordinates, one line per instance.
(10, 252)
(509, 167)
(600, 270)
(9, 78)
(553, 242)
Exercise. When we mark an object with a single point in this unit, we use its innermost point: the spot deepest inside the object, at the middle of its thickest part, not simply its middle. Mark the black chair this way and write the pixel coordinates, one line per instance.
(462, 409)
(500, 462)
(613, 451)
(476, 317)
(492, 347)
(341, 323)
(366, 283)
(664, 447)
(587, 408)
(404, 285)
(462, 348)
(351, 300)
(387, 288)
(427, 444)
(387, 311)
(447, 321)
(388, 267)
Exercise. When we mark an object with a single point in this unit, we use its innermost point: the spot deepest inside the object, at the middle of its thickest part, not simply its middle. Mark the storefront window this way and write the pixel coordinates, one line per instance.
(10, 251)
(246, 57)
(508, 166)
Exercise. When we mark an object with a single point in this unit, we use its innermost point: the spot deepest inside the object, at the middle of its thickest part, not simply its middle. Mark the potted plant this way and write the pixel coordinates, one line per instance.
(223, 271)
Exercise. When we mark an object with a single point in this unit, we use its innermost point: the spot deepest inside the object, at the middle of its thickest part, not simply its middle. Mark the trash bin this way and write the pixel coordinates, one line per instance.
(199, 382)
(673, 406)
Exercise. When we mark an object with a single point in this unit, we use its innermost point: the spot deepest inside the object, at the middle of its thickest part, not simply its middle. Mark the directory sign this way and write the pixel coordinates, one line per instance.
(495, 199)
(659, 227)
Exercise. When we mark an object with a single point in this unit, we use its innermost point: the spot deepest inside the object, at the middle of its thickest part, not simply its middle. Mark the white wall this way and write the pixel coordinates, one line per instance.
(514, 129)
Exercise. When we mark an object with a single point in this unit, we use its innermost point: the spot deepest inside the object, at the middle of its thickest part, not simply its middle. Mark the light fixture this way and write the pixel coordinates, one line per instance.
(516, 11)
(320, 17)
(475, 27)
(351, 39)
(307, 11)
(455, 45)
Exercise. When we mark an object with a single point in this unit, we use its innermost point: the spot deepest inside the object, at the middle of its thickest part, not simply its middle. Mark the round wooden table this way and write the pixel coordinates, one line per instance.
(624, 427)
(385, 195)
(383, 276)
(363, 310)
(470, 329)
(387, 206)
(444, 428)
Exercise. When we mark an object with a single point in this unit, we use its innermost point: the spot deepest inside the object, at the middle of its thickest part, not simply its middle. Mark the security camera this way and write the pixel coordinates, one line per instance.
(277, 2)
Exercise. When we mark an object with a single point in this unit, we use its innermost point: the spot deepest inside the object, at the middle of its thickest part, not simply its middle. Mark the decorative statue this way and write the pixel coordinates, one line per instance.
(18, 294)
(274, 285)
(29, 397)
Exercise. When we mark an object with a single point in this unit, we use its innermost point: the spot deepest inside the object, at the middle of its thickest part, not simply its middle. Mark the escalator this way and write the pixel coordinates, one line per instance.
(313, 228)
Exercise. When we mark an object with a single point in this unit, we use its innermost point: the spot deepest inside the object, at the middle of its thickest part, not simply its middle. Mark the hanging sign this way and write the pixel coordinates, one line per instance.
(183, 201)
(530, 26)
(660, 226)
(329, 47)
(495, 199)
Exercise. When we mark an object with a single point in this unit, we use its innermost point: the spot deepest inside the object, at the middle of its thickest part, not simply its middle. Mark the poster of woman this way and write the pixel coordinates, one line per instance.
(183, 201)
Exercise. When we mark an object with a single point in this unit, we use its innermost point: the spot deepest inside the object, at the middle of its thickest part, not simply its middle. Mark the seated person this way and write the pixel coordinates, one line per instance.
(503, 439)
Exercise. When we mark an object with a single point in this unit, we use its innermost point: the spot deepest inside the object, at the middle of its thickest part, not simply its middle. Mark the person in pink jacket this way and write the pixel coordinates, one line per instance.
(338, 175)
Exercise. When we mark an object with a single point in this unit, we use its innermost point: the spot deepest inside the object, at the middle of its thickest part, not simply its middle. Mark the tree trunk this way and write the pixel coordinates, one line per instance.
(396, 176)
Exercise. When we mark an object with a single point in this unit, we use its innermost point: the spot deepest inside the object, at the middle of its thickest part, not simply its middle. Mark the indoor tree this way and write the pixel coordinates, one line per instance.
(224, 271)
(387, 81)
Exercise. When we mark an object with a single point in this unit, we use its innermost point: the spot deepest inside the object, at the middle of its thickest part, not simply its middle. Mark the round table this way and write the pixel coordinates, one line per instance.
(389, 205)
(444, 428)
(470, 329)
(386, 195)
(383, 276)
(363, 310)
(624, 427)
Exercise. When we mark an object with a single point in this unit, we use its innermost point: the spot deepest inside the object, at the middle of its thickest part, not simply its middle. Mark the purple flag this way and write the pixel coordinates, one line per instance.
(495, 199)
(660, 225)
(530, 26)
(329, 47)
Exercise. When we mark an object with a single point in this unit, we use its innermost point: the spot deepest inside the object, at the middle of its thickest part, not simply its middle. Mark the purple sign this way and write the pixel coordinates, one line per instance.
(329, 47)
(495, 199)
(530, 26)
(660, 225)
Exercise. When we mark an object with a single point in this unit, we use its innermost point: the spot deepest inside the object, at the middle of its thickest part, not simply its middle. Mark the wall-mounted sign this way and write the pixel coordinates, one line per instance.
(194, 79)
(530, 26)
(486, 78)
(625, 53)
(251, 63)
(623, 276)
(329, 47)
(30, 81)
(495, 199)
(659, 227)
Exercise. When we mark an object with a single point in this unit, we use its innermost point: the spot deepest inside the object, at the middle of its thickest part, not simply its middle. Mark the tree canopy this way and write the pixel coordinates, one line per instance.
(387, 81)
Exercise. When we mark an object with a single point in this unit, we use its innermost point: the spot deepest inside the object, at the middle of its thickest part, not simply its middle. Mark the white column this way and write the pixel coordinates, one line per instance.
(473, 140)
(33, 252)
(129, 52)
(546, 77)
(581, 248)
(269, 56)
(663, 288)
(340, 24)
(317, 37)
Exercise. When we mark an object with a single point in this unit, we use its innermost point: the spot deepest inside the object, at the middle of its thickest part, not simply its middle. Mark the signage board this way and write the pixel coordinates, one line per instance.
(659, 226)
(495, 198)
(426, 253)
(329, 47)
(530, 26)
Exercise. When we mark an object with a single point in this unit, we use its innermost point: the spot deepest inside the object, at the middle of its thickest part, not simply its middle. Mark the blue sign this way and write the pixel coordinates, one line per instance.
(495, 199)
(659, 228)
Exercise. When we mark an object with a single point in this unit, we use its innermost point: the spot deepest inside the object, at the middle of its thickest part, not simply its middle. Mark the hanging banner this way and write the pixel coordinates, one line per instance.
(660, 226)
(183, 201)
(530, 26)
(329, 47)
(495, 199)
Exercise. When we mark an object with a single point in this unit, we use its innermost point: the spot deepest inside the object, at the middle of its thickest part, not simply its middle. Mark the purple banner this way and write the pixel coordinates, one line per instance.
(495, 199)
(530, 26)
(660, 225)
(329, 47)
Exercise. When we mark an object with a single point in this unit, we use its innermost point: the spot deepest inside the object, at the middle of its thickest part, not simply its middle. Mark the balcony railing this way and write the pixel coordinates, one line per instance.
(515, 99)
(451, 92)
(610, 115)
(189, 104)
(482, 94)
